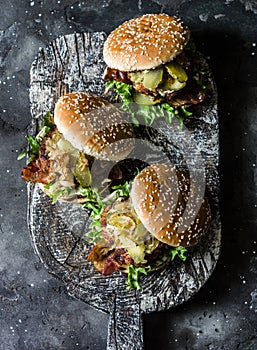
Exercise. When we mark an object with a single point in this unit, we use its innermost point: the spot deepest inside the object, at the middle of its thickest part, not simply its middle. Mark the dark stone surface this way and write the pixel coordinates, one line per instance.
(36, 311)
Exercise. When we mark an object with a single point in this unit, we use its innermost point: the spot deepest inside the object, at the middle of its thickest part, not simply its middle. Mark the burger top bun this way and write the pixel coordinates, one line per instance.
(94, 126)
(145, 42)
(162, 200)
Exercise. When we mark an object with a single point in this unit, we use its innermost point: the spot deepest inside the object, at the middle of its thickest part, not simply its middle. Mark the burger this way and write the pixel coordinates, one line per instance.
(151, 61)
(141, 230)
(84, 127)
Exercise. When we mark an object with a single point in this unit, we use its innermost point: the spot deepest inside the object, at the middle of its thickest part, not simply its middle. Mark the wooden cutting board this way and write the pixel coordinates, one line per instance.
(75, 63)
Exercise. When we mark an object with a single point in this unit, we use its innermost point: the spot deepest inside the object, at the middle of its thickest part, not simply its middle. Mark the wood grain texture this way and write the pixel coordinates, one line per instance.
(75, 63)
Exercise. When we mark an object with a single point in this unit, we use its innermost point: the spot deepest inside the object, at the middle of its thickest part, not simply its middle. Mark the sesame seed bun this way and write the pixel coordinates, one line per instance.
(94, 126)
(160, 195)
(145, 42)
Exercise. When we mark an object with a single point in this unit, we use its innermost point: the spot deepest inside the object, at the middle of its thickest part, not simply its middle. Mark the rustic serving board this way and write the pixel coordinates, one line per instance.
(75, 63)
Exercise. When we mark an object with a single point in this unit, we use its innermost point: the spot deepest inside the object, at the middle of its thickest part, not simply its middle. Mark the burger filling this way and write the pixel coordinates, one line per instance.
(125, 241)
(58, 166)
(177, 83)
(121, 241)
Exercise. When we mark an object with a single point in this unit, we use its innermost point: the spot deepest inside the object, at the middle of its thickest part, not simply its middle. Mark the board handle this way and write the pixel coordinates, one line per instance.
(125, 328)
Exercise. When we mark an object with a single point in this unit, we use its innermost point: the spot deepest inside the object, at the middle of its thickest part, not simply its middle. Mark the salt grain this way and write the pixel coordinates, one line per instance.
(218, 16)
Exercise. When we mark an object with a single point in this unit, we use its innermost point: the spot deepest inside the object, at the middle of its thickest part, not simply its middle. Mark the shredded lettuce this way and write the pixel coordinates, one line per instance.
(94, 203)
(122, 190)
(122, 90)
(134, 273)
(47, 121)
(58, 193)
(33, 149)
(134, 276)
(146, 114)
(180, 252)
(34, 141)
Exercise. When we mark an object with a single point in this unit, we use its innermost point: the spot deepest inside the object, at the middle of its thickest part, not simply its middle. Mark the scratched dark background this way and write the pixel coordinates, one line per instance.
(36, 313)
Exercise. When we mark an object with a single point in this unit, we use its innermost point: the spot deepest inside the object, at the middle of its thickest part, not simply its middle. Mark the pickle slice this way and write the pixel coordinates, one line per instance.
(176, 78)
(82, 172)
(143, 99)
(172, 84)
(176, 71)
(136, 77)
(152, 78)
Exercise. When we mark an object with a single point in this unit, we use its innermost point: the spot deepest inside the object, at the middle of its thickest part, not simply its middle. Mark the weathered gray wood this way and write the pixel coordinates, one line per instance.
(74, 63)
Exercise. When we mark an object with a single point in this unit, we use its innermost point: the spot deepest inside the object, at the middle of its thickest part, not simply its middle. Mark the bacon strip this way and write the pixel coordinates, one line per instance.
(108, 261)
(39, 169)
